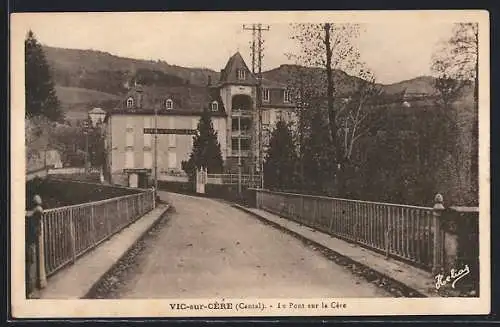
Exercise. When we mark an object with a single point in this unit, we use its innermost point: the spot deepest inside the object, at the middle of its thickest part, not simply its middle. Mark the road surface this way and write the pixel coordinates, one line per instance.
(209, 249)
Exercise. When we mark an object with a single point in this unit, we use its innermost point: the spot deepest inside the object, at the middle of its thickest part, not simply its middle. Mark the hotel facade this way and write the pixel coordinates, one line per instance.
(233, 104)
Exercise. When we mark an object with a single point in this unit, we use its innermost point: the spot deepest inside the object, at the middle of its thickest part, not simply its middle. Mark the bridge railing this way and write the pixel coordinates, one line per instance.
(71, 231)
(411, 233)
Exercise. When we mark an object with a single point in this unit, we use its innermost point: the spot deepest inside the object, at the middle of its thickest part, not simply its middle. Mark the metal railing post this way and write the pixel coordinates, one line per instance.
(437, 253)
(92, 225)
(72, 235)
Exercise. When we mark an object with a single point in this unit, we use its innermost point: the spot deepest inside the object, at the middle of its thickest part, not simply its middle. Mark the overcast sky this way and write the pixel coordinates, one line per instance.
(393, 50)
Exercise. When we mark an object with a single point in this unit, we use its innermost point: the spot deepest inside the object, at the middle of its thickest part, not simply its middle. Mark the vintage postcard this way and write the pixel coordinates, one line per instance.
(224, 164)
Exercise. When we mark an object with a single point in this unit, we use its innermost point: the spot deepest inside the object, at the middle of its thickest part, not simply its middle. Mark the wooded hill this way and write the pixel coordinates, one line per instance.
(89, 78)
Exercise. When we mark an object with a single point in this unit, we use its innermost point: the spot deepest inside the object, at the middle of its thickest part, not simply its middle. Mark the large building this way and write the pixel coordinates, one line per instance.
(233, 104)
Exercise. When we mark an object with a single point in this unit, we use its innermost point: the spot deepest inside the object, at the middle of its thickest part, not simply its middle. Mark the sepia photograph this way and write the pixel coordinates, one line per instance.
(222, 164)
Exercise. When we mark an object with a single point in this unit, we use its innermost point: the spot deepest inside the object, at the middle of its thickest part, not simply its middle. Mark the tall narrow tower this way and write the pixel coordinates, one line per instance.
(257, 56)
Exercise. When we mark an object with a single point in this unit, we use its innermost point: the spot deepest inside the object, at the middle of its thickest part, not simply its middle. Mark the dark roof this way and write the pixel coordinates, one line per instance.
(187, 100)
(270, 84)
(230, 73)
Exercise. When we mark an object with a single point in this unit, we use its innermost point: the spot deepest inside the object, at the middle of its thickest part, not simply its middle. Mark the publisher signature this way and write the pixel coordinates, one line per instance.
(453, 277)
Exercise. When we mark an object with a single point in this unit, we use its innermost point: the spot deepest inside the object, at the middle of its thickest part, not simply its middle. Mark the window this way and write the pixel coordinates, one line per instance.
(171, 140)
(129, 159)
(242, 74)
(265, 95)
(147, 137)
(130, 102)
(265, 117)
(287, 96)
(147, 140)
(172, 160)
(215, 106)
(148, 159)
(169, 104)
(245, 144)
(129, 139)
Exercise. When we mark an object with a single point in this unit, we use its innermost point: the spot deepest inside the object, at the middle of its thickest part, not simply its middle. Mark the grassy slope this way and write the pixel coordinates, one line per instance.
(69, 95)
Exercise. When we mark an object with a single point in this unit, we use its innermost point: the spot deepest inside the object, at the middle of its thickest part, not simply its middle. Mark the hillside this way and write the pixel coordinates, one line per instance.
(89, 78)
(287, 73)
(75, 95)
(422, 84)
(102, 71)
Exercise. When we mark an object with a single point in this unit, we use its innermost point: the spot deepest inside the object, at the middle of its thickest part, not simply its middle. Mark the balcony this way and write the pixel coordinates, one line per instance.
(241, 113)
(244, 153)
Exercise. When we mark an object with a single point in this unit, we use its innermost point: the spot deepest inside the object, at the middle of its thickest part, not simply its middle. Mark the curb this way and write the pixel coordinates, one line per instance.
(92, 289)
(400, 289)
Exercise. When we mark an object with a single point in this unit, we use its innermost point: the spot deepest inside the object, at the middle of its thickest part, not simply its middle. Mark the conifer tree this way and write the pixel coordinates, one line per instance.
(41, 98)
(281, 159)
(206, 150)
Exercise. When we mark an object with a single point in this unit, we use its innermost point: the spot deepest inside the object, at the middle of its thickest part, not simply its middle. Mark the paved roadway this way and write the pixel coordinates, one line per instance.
(209, 249)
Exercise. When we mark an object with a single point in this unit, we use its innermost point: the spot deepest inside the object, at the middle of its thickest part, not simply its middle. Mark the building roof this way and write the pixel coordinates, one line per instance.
(187, 100)
(230, 73)
(267, 83)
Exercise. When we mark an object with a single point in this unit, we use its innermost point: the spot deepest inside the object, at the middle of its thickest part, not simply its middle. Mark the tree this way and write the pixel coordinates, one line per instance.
(41, 98)
(343, 88)
(318, 168)
(96, 145)
(206, 148)
(456, 65)
(281, 159)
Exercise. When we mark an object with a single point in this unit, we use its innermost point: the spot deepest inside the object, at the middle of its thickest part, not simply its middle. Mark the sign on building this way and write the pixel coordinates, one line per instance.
(169, 131)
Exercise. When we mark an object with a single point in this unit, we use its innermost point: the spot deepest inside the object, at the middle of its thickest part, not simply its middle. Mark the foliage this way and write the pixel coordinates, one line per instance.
(456, 65)
(345, 102)
(206, 150)
(355, 141)
(157, 78)
(96, 149)
(59, 193)
(281, 159)
(457, 57)
(97, 70)
(41, 98)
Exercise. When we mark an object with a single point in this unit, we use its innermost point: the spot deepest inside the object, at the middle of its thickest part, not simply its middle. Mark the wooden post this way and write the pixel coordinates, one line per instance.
(437, 251)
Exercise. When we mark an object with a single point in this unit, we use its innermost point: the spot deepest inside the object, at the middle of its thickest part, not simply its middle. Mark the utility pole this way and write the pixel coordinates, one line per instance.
(156, 151)
(86, 132)
(239, 155)
(257, 53)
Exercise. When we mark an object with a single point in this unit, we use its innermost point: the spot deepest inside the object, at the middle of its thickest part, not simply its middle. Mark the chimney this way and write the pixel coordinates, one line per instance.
(209, 80)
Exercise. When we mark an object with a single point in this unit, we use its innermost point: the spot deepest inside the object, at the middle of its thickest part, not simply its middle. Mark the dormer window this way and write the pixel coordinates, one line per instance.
(130, 102)
(265, 95)
(242, 74)
(287, 96)
(214, 106)
(169, 104)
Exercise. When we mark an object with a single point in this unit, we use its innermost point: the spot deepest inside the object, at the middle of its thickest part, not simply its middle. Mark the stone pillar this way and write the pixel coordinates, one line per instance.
(35, 252)
(438, 248)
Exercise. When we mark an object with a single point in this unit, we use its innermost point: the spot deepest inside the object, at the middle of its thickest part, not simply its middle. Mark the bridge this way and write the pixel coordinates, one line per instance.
(277, 245)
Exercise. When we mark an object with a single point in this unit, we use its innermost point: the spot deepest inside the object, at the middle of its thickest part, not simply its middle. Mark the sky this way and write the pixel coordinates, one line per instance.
(394, 49)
